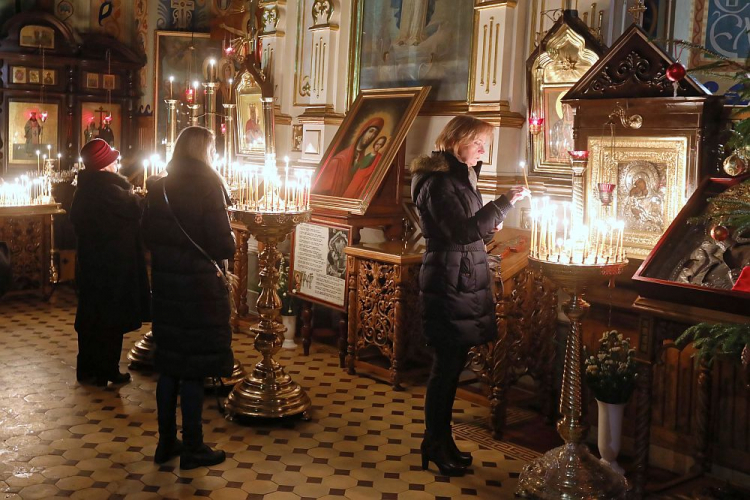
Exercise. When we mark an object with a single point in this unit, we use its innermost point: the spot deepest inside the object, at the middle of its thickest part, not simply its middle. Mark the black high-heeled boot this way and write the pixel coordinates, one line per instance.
(463, 459)
(439, 453)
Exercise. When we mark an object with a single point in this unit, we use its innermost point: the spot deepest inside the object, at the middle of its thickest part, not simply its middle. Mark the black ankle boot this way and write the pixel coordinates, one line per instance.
(167, 449)
(461, 458)
(117, 378)
(201, 456)
(439, 453)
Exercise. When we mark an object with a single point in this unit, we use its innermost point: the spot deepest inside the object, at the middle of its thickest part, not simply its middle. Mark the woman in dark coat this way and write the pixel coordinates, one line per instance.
(454, 281)
(113, 291)
(190, 298)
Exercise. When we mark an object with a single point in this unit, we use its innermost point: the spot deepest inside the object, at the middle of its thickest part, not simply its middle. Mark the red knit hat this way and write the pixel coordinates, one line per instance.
(97, 154)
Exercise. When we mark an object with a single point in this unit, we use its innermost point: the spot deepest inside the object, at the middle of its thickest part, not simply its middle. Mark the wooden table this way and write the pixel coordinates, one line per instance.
(383, 284)
(28, 232)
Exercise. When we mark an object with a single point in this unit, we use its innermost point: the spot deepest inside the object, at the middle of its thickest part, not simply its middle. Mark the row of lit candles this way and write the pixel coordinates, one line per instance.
(564, 240)
(262, 189)
(255, 187)
(191, 92)
(28, 189)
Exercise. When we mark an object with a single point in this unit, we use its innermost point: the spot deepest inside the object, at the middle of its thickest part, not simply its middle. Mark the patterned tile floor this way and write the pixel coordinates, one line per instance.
(62, 439)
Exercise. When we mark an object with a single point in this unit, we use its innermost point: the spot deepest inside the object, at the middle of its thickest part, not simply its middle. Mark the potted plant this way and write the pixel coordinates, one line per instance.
(610, 374)
(288, 314)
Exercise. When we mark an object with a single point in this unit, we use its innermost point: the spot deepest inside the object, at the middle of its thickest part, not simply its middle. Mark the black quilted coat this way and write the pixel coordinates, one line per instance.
(190, 302)
(113, 291)
(454, 281)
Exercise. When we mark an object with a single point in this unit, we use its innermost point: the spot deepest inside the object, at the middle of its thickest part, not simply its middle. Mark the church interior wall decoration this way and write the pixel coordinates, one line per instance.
(563, 56)
(250, 122)
(32, 127)
(102, 120)
(363, 148)
(174, 57)
(413, 42)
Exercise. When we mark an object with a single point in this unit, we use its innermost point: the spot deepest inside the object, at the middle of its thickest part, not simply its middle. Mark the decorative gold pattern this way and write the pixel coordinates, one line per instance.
(668, 158)
(555, 70)
(322, 10)
(633, 67)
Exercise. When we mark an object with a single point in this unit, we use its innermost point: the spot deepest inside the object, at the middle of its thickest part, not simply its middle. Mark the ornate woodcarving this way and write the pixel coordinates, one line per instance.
(383, 292)
(634, 67)
(240, 311)
(526, 321)
(24, 236)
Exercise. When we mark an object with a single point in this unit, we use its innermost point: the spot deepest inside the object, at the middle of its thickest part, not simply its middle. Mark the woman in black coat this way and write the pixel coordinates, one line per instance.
(454, 281)
(113, 291)
(190, 298)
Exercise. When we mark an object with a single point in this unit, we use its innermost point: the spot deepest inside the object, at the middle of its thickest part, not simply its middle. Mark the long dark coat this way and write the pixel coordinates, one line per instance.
(190, 302)
(454, 281)
(113, 290)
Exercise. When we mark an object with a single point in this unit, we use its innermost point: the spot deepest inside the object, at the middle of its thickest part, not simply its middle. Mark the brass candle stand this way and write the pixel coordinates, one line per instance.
(268, 392)
(571, 471)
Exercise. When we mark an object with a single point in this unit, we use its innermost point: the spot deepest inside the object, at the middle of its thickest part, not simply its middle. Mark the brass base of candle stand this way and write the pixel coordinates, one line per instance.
(141, 357)
(268, 392)
(571, 471)
(142, 353)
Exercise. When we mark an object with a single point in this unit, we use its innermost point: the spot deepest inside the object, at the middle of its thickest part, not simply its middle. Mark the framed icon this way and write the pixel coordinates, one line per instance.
(108, 82)
(19, 74)
(92, 80)
(37, 36)
(49, 77)
(34, 76)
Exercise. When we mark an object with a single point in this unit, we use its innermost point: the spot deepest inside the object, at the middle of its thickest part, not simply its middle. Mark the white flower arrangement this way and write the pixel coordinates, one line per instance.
(611, 372)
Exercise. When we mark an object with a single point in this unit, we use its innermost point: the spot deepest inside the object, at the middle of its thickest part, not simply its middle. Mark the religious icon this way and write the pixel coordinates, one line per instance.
(336, 259)
(334, 177)
(48, 77)
(40, 37)
(33, 134)
(34, 76)
(362, 170)
(101, 120)
(31, 128)
(108, 82)
(253, 132)
(642, 193)
(92, 80)
(19, 75)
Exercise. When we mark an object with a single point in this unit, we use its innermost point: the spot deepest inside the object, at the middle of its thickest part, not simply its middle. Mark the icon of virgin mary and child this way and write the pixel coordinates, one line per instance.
(347, 173)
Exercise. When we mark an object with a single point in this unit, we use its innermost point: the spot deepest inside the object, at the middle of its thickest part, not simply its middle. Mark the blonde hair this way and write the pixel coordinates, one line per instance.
(460, 130)
(196, 143)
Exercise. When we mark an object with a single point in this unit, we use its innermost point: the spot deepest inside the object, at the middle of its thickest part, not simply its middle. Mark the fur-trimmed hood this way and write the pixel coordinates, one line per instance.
(424, 166)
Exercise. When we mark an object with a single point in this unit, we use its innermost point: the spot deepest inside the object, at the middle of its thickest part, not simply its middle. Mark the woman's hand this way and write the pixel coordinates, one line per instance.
(517, 193)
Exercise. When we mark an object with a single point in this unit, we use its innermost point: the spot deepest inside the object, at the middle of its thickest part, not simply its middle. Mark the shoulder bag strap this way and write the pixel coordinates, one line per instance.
(219, 271)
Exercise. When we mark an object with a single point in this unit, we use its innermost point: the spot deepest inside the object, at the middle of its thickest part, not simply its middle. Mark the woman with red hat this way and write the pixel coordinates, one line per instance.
(113, 289)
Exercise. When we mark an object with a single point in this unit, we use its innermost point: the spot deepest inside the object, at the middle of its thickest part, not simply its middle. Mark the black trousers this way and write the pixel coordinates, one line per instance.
(191, 402)
(447, 365)
(98, 354)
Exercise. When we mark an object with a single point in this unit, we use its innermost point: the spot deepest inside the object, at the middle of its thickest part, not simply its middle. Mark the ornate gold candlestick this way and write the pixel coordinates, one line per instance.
(268, 391)
(571, 471)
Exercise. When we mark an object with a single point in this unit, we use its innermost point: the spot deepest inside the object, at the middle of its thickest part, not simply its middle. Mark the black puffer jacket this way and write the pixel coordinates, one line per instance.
(454, 282)
(190, 302)
(113, 291)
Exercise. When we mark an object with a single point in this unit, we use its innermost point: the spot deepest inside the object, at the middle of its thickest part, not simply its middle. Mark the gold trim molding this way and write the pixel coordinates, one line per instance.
(489, 4)
(322, 114)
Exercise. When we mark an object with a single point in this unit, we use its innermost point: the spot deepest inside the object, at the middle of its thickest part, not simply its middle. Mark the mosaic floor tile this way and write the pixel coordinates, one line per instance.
(61, 439)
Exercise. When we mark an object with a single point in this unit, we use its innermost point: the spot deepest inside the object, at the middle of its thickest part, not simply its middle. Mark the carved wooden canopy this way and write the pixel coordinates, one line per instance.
(634, 67)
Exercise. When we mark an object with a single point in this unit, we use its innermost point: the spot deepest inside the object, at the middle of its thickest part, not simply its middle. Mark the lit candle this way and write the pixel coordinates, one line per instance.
(231, 83)
(286, 182)
(49, 150)
(522, 164)
(145, 173)
(211, 70)
(171, 80)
